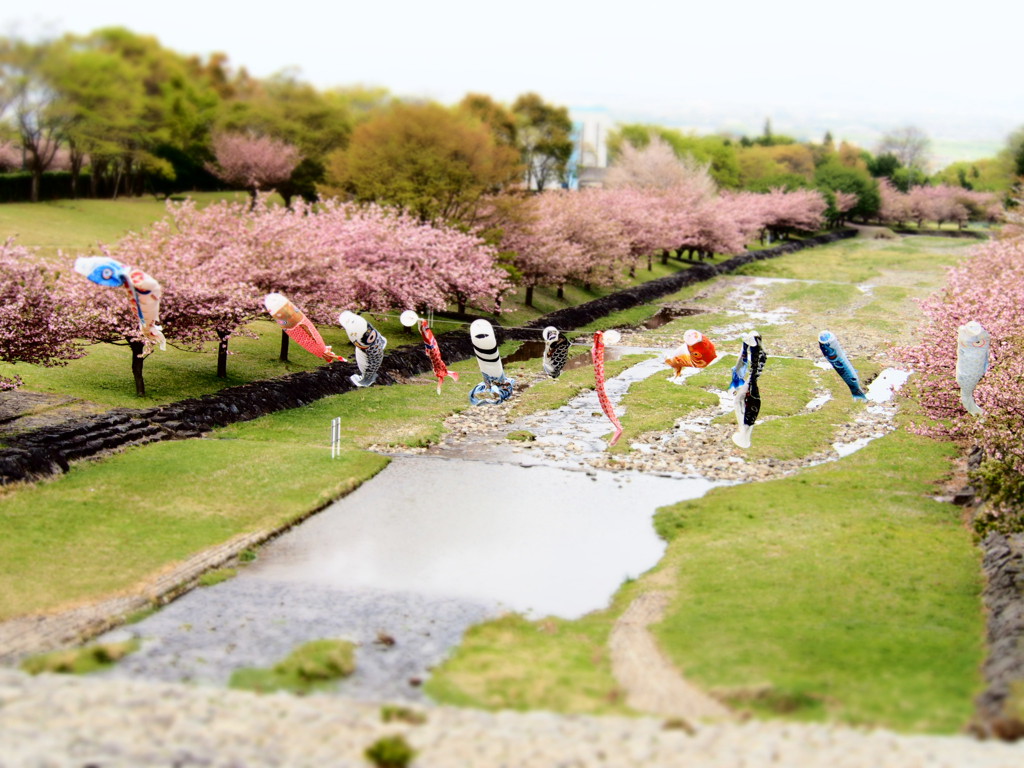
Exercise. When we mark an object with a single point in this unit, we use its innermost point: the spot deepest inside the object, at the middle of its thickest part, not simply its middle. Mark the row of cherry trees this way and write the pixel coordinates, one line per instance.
(987, 288)
(939, 204)
(216, 263)
(595, 236)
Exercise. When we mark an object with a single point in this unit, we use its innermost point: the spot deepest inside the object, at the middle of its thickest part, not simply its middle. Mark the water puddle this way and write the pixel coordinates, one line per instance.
(539, 541)
(815, 403)
(427, 549)
(886, 384)
(667, 314)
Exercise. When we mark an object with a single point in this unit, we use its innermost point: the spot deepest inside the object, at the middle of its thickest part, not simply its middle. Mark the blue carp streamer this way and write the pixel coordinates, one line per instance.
(833, 352)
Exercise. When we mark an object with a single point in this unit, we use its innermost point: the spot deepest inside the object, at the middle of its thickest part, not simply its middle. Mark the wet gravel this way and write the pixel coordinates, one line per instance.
(209, 633)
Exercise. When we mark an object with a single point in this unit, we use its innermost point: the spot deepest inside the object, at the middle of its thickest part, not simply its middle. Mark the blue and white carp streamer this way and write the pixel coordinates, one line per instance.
(834, 353)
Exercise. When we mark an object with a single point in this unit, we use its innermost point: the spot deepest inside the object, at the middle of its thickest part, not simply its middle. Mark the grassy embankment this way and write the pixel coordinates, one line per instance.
(842, 593)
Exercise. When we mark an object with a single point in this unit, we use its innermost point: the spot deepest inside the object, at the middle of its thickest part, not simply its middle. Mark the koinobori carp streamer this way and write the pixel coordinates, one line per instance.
(834, 353)
(144, 291)
(430, 347)
(369, 344)
(556, 351)
(496, 387)
(744, 381)
(972, 348)
(597, 353)
(294, 322)
(700, 352)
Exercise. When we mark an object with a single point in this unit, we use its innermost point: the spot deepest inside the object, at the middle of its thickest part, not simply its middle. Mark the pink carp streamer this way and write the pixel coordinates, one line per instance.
(433, 351)
(597, 353)
(298, 327)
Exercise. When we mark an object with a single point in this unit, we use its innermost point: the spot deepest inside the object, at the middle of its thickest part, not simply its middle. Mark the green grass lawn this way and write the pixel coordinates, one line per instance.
(846, 589)
(858, 261)
(78, 225)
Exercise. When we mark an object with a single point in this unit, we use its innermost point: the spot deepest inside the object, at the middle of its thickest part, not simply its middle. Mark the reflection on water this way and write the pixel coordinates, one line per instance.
(540, 540)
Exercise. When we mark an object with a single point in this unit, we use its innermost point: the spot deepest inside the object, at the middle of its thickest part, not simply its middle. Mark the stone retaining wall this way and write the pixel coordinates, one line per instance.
(47, 451)
(1003, 564)
(972, 233)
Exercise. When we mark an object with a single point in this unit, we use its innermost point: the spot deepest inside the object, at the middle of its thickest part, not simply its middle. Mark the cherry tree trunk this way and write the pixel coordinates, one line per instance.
(222, 356)
(528, 300)
(137, 348)
(284, 347)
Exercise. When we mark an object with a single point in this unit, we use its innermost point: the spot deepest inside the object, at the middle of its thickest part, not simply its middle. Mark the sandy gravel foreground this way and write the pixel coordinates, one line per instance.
(60, 721)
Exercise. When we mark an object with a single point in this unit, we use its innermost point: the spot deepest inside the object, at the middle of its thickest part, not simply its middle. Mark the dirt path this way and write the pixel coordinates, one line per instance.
(653, 684)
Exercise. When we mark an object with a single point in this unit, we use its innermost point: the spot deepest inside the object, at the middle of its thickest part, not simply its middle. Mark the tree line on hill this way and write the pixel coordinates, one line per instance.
(118, 114)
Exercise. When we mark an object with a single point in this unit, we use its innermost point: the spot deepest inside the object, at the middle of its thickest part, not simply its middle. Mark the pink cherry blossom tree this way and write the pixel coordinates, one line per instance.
(252, 162)
(35, 326)
(10, 157)
(538, 251)
(987, 288)
(656, 166)
(895, 205)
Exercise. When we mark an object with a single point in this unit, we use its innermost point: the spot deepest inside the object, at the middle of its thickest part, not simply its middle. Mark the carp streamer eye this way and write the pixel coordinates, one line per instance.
(107, 273)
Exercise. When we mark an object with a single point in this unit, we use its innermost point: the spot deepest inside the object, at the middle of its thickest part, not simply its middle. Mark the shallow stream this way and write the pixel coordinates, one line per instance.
(430, 546)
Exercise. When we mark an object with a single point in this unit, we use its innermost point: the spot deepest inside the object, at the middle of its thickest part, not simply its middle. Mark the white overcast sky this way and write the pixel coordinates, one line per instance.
(952, 68)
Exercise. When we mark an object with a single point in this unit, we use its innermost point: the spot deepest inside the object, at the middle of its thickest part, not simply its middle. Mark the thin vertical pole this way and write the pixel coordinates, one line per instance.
(335, 437)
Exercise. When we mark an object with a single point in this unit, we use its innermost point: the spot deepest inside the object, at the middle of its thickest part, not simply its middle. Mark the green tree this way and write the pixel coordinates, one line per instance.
(435, 162)
(833, 176)
(315, 122)
(1012, 158)
(545, 140)
(33, 101)
(991, 174)
(496, 116)
(174, 121)
(100, 98)
(884, 165)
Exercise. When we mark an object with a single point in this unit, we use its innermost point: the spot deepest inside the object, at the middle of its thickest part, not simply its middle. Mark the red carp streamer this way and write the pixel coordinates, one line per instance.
(597, 353)
(308, 337)
(433, 351)
(298, 327)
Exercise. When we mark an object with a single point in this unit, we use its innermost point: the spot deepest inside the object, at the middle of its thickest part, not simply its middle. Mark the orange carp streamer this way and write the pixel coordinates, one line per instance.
(298, 327)
(597, 353)
(700, 353)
